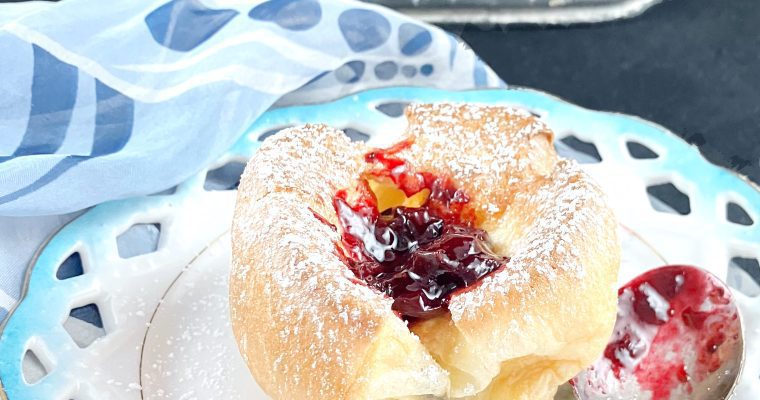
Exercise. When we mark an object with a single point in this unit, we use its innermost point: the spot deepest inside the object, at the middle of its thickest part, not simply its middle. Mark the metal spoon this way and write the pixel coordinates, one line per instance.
(678, 336)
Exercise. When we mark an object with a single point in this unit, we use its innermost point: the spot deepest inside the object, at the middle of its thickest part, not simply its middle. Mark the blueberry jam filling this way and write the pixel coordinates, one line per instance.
(418, 254)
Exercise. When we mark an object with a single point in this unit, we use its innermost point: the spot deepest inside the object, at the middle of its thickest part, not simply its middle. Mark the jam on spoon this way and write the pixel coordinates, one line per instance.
(418, 248)
(676, 328)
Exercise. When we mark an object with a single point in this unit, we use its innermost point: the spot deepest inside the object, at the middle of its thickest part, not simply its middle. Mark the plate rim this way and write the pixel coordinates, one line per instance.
(385, 92)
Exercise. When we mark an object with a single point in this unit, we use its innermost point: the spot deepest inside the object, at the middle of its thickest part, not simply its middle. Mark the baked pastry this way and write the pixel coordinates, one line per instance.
(467, 261)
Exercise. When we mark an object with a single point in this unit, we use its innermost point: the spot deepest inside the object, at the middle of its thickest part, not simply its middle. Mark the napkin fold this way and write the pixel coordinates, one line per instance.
(108, 100)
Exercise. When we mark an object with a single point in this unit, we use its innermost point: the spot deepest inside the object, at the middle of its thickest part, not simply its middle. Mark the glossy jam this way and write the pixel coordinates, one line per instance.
(675, 326)
(419, 256)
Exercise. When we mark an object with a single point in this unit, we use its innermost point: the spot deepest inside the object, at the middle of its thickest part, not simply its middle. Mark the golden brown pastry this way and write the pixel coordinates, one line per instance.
(315, 320)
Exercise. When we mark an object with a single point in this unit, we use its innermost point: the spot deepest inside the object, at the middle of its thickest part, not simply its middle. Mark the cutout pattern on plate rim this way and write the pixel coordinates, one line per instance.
(107, 274)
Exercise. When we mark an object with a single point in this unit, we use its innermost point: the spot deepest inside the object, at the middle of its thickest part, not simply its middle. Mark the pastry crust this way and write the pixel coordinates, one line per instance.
(308, 328)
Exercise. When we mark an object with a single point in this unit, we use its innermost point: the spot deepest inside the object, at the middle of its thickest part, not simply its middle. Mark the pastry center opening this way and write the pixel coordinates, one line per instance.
(412, 236)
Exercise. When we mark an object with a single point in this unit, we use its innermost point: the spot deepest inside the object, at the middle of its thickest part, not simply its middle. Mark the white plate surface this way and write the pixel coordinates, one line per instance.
(166, 331)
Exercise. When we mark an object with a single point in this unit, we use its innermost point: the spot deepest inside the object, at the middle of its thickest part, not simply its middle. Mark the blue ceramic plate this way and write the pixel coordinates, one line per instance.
(93, 322)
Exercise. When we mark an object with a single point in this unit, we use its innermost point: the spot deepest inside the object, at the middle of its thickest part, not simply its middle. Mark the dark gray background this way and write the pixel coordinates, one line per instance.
(692, 66)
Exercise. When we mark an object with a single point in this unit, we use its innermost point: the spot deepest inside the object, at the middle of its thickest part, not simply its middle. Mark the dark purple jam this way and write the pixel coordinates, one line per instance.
(417, 256)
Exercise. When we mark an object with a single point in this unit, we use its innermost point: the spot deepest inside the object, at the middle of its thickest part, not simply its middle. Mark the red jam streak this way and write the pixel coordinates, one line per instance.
(417, 256)
(676, 325)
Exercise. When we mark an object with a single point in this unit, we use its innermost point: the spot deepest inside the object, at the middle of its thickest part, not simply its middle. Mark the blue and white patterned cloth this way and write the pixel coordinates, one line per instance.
(104, 100)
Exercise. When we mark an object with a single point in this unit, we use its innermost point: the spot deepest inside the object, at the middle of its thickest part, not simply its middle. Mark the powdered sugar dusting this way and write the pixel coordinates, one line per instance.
(287, 264)
(318, 301)
(480, 146)
(501, 157)
(564, 207)
(294, 160)
(291, 257)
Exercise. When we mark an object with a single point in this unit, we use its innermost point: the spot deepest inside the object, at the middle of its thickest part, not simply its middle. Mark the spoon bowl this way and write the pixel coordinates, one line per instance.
(678, 336)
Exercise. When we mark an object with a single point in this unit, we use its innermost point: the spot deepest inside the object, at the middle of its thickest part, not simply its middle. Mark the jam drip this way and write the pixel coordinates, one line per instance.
(419, 256)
